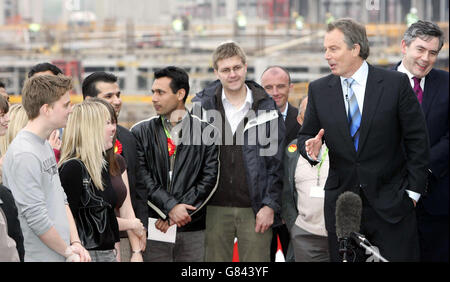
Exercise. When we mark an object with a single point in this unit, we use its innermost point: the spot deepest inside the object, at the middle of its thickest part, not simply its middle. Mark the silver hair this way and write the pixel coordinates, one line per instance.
(425, 31)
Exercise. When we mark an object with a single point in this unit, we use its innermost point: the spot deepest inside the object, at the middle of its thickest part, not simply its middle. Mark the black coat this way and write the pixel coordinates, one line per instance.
(195, 172)
(264, 172)
(292, 125)
(435, 107)
(392, 121)
(138, 192)
(392, 157)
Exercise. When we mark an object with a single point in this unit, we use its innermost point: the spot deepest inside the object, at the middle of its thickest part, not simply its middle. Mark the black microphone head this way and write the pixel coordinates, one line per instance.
(348, 214)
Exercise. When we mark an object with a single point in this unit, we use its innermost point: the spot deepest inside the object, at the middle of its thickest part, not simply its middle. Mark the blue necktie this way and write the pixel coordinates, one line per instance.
(354, 115)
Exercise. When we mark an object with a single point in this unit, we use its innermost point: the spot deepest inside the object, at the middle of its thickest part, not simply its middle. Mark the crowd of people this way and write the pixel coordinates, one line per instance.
(242, 163)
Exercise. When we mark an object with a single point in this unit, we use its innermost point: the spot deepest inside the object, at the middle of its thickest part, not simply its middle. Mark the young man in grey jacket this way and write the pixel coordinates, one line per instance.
(30, 171)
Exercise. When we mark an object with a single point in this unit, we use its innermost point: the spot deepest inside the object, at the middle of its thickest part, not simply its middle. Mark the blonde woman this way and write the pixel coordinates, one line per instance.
(11, 251)
(4, 117)
(18, 119)
(135, 236)
(86, 179)
(4, 122)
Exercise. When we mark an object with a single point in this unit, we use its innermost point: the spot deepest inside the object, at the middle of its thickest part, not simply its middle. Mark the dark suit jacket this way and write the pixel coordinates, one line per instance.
(292, 126)
(391, 121)
(435, 107)
(138, 193)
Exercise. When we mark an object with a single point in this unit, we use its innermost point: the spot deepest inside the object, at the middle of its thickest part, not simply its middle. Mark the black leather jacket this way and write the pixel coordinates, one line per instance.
(195, 173)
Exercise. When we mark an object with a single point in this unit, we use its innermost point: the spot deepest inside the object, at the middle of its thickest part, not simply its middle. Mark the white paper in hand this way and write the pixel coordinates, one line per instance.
(155, 234)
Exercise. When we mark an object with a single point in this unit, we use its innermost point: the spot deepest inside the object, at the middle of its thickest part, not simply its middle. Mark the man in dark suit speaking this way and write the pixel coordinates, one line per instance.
(375, 130)
(420, 47)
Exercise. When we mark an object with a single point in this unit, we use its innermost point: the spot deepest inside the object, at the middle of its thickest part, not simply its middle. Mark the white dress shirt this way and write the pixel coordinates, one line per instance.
(359, 86)
(233, 115)
(284, 113)
(402, 68)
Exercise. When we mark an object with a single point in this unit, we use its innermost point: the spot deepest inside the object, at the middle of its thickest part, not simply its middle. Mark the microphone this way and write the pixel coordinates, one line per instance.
(361, 241)
(348, 220)
(359, 238)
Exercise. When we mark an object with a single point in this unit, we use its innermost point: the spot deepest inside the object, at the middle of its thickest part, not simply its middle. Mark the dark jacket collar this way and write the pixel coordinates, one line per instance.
(208, 96)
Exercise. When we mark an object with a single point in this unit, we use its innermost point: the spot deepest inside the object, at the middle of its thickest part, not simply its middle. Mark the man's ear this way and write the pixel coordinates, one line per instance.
(356, 49)
(299, 119)
(291, 87)
(216, 73)
(404, 47)
(45, 109)
(181, 93)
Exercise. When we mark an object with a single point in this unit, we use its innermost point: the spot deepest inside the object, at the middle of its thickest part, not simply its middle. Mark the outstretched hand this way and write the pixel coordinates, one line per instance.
(313, 145)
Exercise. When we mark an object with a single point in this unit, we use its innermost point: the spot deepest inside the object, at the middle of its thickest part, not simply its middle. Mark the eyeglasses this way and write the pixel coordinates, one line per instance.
(227, 71)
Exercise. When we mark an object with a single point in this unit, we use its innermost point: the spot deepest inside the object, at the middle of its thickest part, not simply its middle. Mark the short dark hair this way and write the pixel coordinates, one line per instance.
(423, 30)
(180, 79)
(111, 111)
(44, 67)
(89, 87)
(2, 85)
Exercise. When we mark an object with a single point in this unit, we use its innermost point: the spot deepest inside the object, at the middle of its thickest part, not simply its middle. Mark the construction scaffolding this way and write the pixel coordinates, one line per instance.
(105, 37)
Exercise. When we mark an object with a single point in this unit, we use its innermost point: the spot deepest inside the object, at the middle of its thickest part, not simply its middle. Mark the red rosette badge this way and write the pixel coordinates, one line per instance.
(171, 146)
(118, 147)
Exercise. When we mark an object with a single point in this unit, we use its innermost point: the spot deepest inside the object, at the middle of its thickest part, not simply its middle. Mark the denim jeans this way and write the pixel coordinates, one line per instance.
(103, 256)
(188, 247)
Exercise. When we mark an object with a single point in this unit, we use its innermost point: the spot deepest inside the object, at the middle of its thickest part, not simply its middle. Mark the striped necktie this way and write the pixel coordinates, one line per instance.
(354, 115)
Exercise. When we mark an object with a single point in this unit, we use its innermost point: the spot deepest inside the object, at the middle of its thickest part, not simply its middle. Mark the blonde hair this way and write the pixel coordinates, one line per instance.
(227, 50)
(83, 138)
(17, 120)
